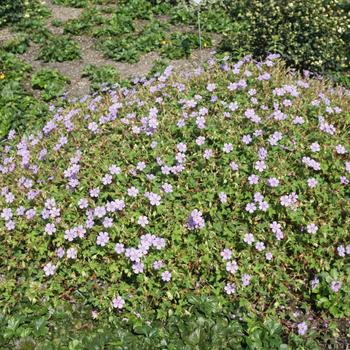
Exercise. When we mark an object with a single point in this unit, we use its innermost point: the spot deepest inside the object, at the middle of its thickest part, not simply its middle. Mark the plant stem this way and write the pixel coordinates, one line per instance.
(200, 35)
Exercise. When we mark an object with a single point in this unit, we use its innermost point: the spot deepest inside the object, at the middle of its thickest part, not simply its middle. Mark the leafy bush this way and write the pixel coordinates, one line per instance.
(106, 74)
(130, 47)
(308, 34)
(51, 82)
(35, 29)
(18, 110)
(11, 11)
(18, 45)
(59, 48)
(89, 18)
(120, 23)
(72, 3)
(181, 45)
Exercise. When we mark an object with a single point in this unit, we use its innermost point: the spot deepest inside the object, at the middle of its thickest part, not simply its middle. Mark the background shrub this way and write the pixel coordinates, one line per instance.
(308, 34)
(10, 11)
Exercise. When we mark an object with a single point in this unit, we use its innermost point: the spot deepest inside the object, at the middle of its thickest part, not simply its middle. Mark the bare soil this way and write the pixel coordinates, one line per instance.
(89, 55)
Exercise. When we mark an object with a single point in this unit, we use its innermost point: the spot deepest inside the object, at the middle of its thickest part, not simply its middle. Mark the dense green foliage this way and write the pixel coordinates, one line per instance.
(59, 48)
(101, 76)
(289, 259)
(297, 287)
(308, 34)
(207, 325)
(10, 11)
(18, 45)
(18, 109)
(51, 83)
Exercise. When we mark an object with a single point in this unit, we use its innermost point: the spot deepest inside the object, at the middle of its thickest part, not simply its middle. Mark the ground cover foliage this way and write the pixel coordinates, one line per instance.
(231, 184)
(312, 36)
(236, 232)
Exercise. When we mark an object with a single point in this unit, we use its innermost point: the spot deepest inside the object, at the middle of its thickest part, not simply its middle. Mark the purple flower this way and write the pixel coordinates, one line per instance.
(341, 251)
(30, 213)
(253, 179)
(260, 246)
(314, 283)
(268, 256)
(208, 153)
(200, 140)
(159, 243)
(247, 139)
(70, 235)
(166, 276)
(227, 147)
(6, 214)
(143, 221)
(223, 197)
(340, 149)
(167, 188)
(49, 269)
(181, 147)
(312, 182)
(71, 253)
(10, 225)
(195, 220)
(260, 165)
(158, 264)
(133, 192)
(138, 268)
(83, 203)
(249, 238)
(107, 222)
(114, 170)
(315, 147)
(211, 87)
(107, 179)
(230, 288)
(246, 280)
(250, 207)
(232, 267)
(153, 198)
(312, 228)
(140, 166)
(102, 239)
(119, 248)
(226, 254)
(118, 303)
(234, 166)
(302, 328)
(94, 192)
(50, 229)
(100, 212)
(335, 286)
(60, 252)
(273, 182)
